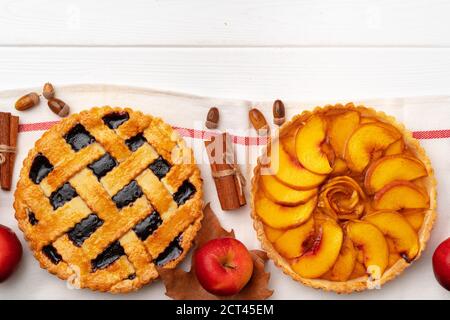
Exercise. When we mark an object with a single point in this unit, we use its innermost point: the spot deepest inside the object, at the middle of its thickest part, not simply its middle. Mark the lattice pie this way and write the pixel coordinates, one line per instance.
(344, 199)
(107, 195)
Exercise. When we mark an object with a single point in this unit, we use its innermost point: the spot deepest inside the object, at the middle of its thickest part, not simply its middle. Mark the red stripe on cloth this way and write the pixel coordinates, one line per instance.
(38, 126)
(432, 134)
(243, 140)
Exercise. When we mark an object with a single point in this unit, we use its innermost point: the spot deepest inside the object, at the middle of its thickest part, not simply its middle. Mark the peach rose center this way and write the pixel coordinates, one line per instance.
(342, 198)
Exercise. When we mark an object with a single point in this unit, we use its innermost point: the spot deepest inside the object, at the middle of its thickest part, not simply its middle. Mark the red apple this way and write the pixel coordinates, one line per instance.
(10, 252)
(441, 264)
(223, 266)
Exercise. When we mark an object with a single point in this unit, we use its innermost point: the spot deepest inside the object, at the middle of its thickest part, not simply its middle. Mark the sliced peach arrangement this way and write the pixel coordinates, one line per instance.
(366, 141)
(391, 168)
(323, 253)
(368, 120)
(293, 242)
(400, 194)
(414, 218)
(308, 145)
(272, 234)
(396, 147)
(371, 242)
(359, 271)
(396, 227)
(283, 194)
(340, 167)
(345, 263)
(282, 217)
(288, 142)
(340, 128)
(345, 197)
(288, 170)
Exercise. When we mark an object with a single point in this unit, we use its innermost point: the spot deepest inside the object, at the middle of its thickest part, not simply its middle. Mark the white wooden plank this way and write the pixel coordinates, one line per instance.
(264, 73)
(225, 23)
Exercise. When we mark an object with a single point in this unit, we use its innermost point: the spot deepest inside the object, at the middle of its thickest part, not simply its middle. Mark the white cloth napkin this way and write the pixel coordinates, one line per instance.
(427, 116)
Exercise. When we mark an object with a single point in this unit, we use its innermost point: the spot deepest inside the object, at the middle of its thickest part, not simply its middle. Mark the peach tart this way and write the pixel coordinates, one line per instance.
(343, 198)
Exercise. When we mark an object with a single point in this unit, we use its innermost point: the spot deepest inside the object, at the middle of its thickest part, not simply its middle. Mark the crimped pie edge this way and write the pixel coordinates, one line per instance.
(358, 284)
(64, 271)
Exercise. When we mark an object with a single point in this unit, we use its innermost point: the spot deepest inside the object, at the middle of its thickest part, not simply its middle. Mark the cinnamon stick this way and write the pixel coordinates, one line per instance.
(5, 133)
(13, 134)
(229, 186)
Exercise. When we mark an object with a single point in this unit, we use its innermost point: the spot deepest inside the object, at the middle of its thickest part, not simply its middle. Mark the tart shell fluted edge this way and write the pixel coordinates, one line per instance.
(361, 283)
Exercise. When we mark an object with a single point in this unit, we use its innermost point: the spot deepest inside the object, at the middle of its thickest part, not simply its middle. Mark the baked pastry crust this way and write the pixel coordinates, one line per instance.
(99, 237)
(361, 283)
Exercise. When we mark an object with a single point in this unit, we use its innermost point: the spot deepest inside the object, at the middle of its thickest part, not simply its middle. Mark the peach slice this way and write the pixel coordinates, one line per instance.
(399, 195)
(345, 263)
(414, 218)
(389, 127)
(370, 240)
(393, 258)
(323, 254)
(272, 234)
(390, 168)
(358, 271)
(280, 217)
(282, 194)
(288, 142)
(339, 130)
(366, 141)
(368, 120)
(339, 167)
(289, 171)
(393, 225)
(396, 147)
(308, 144)
(360, 256)
(292, 243)
(391, 245)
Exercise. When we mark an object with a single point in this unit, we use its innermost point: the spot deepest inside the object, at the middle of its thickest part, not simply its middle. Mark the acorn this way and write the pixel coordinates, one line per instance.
(258, 121)
(59, 107)
(27, 101)
(48, 91)
(212, 119)
(278, 112)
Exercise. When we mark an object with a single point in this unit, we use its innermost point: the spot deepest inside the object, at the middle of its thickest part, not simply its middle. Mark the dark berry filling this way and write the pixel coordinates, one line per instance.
(114, 120)
(40, 168)
(184, 193)
(135, 142)
(147, 226)
(62, 195)
(103, 165)
(83, 229)
(160, 167)
(52, 254)
(107, 257)
(32, 218)
(78, 137)
(173, 251)
(127, 195)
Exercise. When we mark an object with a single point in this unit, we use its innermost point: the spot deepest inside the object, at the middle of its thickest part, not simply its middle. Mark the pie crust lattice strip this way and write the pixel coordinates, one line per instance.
(106, 196)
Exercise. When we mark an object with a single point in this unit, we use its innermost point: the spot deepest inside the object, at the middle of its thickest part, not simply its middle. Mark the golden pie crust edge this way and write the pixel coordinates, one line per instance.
(361, 283)
(63, 270)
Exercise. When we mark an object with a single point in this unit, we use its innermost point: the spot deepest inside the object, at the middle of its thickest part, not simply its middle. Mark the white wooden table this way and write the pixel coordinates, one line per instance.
(249, 49)
(256, 49)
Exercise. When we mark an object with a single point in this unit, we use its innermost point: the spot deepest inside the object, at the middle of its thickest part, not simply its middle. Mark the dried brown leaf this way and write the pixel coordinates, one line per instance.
(182, 285)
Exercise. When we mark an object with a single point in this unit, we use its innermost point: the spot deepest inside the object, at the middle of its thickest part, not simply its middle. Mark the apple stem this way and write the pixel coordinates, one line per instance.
(228, 265)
